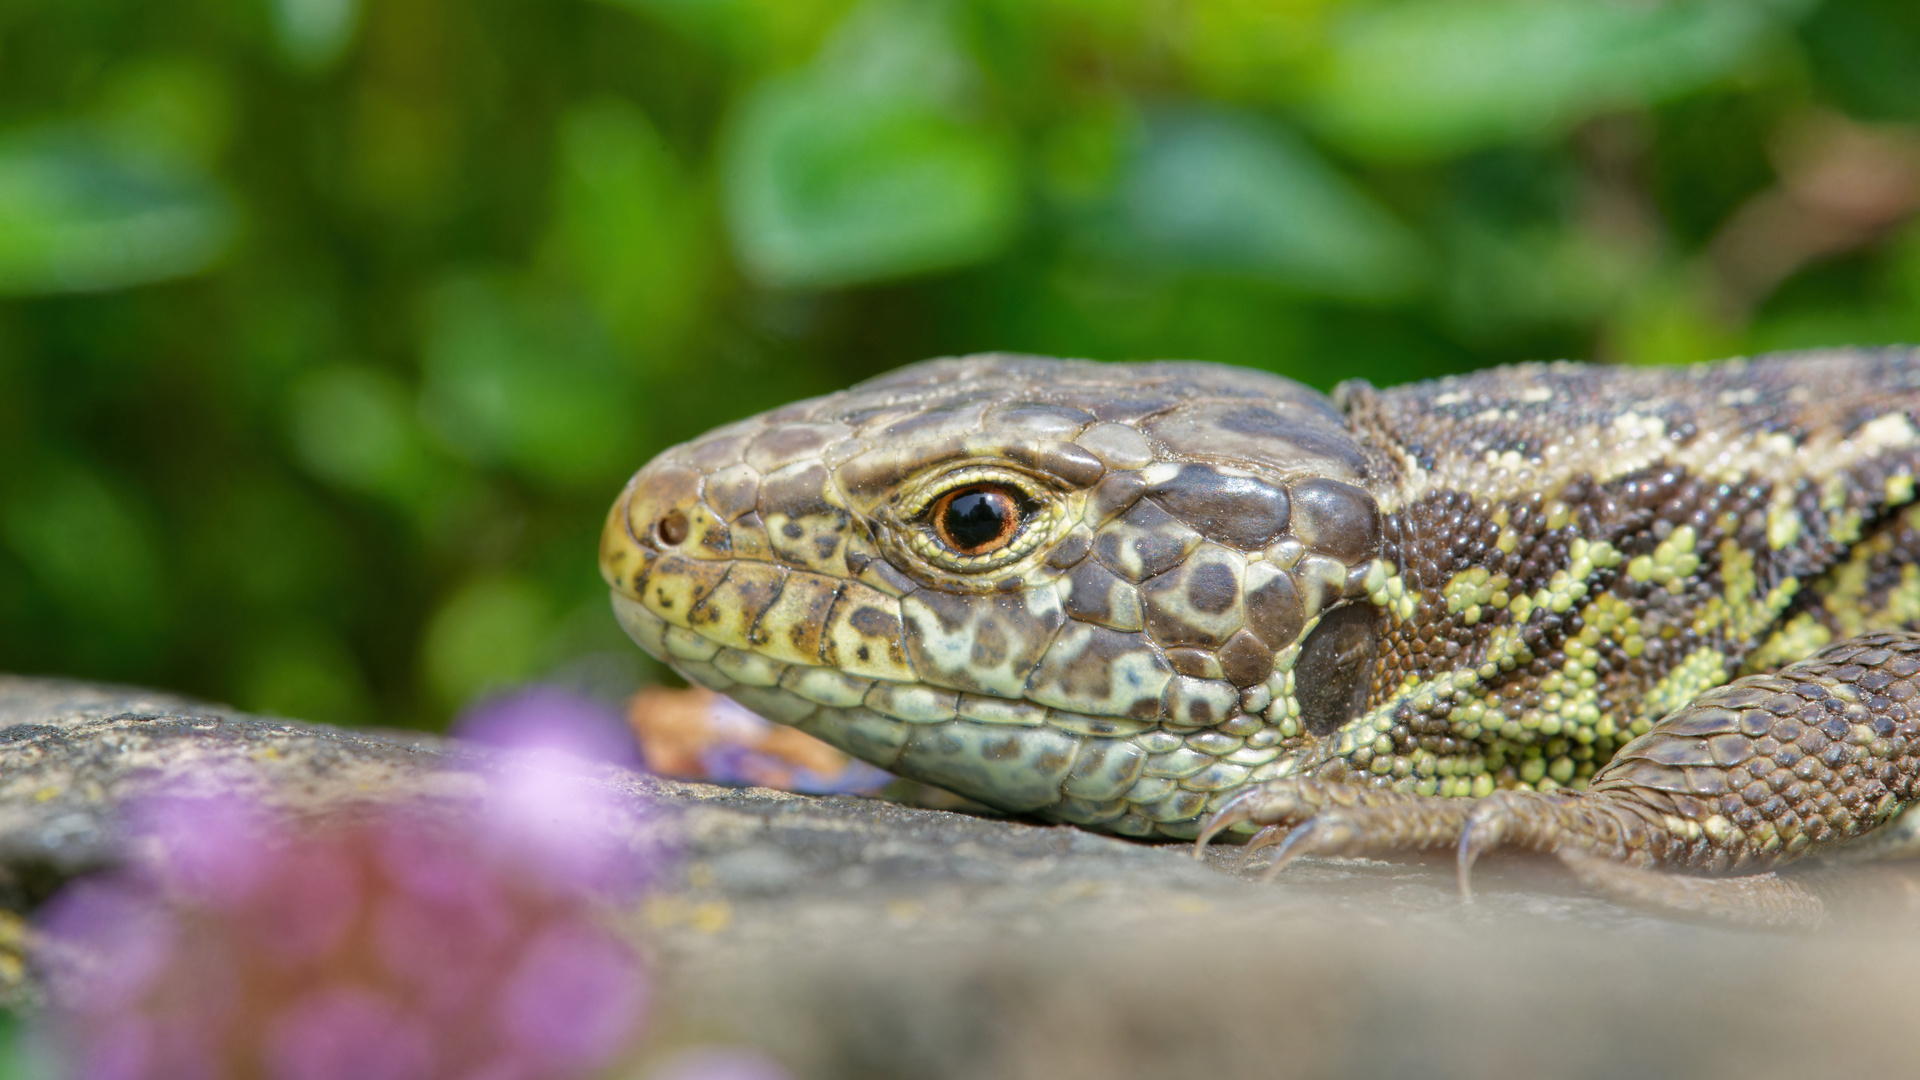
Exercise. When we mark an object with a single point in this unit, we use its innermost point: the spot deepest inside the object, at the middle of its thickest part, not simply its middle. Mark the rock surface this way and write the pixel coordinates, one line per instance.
(853, 938)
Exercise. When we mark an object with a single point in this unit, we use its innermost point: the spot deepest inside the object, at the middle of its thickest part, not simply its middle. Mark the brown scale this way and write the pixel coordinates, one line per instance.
(1885, 571)
(1884, 568)
(1442, 535)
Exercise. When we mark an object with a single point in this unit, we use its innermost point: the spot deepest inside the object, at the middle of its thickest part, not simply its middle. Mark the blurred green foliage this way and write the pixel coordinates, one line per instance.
(16, 1062)
(329, 328)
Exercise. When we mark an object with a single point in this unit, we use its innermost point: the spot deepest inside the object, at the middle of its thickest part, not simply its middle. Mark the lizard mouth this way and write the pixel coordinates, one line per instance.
(1113, 774)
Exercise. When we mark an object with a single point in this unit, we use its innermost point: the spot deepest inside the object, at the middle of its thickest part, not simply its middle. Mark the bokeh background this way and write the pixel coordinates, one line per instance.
(329, 328)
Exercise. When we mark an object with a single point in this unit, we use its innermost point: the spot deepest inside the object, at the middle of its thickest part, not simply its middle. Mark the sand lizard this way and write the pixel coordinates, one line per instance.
(1644, 619)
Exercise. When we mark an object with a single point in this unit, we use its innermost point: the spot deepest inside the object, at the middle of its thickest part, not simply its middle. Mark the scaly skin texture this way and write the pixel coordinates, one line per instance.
(1640, 619)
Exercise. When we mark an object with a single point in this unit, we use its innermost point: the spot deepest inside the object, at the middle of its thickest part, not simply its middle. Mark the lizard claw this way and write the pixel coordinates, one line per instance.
(1485, 829)
(1234, 811)
(1323, 834)
(1261, 840)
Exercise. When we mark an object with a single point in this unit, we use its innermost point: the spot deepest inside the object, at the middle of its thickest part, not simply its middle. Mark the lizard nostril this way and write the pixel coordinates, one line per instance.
(671, 529)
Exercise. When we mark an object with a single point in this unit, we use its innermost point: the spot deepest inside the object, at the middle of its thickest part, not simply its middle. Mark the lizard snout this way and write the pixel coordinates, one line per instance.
(659, 512)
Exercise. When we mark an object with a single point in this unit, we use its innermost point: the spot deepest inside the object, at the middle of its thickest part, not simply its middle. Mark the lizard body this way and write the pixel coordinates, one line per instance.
(1644, 619)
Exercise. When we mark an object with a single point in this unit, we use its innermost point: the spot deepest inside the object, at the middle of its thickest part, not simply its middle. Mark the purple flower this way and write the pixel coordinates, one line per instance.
(209, 847)
(338, 1032)
(130, 937)
(394, 943)
(551, 719)
(568, 1001)
(545, 816)
(548, 807)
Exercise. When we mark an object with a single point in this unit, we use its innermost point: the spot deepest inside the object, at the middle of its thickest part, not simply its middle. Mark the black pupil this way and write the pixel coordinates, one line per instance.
(976, 518)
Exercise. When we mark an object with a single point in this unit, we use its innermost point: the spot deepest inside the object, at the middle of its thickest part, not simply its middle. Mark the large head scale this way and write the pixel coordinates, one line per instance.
(1103, 594)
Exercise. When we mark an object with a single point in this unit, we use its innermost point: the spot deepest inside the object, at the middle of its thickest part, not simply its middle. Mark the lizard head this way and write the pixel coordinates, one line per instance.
(1109, 594)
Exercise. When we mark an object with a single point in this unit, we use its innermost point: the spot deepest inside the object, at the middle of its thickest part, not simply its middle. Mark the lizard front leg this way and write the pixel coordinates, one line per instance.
(1747, 777)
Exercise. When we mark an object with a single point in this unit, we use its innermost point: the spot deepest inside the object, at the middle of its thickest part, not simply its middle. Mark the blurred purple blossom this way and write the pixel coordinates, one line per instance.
(543, 717)
(342, 1031)
(542, 809)
(569, 1002)
(397, 942)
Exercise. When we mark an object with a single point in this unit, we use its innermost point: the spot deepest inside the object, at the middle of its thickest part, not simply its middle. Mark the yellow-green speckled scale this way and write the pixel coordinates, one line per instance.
(1579, 551)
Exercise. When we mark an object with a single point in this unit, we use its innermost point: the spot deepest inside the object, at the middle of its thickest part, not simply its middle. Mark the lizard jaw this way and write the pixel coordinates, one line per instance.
(1107, 773)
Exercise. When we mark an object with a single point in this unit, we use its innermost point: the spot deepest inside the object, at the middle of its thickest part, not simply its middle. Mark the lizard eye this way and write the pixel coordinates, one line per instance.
(978, 519)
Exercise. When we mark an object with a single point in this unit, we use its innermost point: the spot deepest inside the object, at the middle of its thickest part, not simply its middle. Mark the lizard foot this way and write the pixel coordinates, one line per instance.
(1316, 817)
(1747, 776)
(1593, 839)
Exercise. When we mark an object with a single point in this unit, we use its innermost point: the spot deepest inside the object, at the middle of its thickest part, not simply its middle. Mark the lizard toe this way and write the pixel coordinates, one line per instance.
(1260, 841)
(1276, 802)
(1486, 828)
(1327, 833)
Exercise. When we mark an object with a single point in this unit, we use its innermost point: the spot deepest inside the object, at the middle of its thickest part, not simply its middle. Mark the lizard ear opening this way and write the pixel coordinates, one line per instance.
(1334, 672)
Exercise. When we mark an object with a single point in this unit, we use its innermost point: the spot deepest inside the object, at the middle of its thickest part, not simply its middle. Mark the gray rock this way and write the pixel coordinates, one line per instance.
(71, 753)
(856, 938)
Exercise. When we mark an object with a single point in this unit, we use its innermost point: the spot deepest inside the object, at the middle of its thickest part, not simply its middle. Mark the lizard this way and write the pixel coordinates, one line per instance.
(1660, 623)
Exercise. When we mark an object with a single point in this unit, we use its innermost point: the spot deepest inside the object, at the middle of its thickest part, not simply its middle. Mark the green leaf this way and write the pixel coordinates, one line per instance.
(1865, 55)
(1418, 79)
(90, 547)
(315, 34)
(79, 214)
(516, 379)
(171, 109)
(1505, 277)
(17, 1059)
(493, 632)
(630, 226)
(867, 166)
(757, 32)
(302, 671)
(1219, 191)
(828, 188)
(355, 426)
